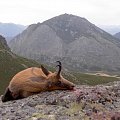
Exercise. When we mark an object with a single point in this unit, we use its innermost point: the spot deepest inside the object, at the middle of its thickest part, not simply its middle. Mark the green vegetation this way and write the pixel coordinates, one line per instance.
(87, 79)
(10, 64)
(42, 116)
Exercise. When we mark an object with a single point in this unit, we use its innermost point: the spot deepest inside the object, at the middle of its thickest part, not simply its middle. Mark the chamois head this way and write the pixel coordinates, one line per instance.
(56, 80)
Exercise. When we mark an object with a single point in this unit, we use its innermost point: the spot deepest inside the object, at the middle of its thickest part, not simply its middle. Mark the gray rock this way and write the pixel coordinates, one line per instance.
(63, 105)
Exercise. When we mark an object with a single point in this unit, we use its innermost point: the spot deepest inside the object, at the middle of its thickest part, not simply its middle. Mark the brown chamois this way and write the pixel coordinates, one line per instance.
(35, 80)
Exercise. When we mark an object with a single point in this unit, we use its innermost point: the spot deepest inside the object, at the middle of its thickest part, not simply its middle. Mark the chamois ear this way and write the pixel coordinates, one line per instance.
(45, 71)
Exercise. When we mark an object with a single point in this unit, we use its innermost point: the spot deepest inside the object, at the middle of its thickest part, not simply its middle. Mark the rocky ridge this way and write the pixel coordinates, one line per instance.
(3, 44)
(85, 102)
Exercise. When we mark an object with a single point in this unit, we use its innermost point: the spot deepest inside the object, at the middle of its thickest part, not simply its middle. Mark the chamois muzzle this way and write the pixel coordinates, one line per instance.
(72, 87)
(69, 85)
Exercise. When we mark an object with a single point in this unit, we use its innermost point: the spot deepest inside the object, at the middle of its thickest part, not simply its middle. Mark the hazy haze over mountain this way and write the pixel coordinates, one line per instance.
(112, 29)
(99, 12)
(103, 13)
(74, 40)
(10, 30)
(117, 35)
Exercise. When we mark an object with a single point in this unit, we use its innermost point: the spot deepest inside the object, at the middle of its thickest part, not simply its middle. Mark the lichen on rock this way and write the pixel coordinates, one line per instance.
(85, 102)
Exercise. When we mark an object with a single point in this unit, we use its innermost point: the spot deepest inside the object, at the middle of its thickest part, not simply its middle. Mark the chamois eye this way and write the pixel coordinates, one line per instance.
(59, 82)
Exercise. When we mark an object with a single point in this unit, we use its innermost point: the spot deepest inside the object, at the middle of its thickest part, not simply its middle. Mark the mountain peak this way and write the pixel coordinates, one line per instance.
(71, 38)
(69, 27)
(67, 17)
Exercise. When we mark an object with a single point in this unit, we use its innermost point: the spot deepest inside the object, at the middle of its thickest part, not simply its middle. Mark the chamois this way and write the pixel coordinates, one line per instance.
(35, 80)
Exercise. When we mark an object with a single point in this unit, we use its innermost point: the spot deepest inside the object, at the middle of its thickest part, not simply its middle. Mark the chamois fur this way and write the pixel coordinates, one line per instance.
(35, 80)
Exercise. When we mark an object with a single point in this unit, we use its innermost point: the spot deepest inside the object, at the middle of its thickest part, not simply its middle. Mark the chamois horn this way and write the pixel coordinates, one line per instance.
(59, 63)
(60, 67)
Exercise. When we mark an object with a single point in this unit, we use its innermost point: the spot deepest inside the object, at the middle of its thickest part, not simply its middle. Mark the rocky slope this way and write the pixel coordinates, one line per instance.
(85, 102)
(3, 44)
(74, 40)
(10, 64)
(117, 35)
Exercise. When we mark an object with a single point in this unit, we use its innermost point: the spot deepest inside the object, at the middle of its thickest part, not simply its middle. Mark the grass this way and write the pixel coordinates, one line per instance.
(11, 64)
(87, 79)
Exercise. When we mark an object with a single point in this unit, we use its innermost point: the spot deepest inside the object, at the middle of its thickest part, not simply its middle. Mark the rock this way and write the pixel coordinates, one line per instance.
(66, 105)
(116, 116)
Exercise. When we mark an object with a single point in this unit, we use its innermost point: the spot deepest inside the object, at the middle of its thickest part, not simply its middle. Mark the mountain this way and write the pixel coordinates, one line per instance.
(10, 30)
(79, 44)
(10, 64)
(112, 29)
(117, 35)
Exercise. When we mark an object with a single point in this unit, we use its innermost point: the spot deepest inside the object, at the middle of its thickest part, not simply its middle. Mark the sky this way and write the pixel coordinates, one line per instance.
(99, 12)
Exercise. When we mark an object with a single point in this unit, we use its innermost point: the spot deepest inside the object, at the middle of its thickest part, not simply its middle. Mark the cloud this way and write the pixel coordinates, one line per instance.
(31, 11)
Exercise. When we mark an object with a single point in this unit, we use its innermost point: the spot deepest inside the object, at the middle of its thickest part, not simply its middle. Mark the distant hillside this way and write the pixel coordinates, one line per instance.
(10, 64)
(112, 29)
(117, 35)
(10, 30)
(80, 45)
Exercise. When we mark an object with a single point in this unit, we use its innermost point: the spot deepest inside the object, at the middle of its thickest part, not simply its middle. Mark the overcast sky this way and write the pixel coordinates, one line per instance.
(99, 12)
